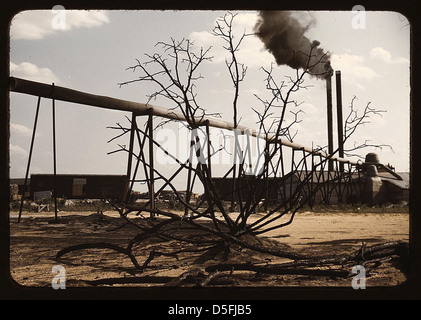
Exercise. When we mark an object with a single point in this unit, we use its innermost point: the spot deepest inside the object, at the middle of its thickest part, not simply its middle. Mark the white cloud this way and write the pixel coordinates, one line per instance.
(38, 24)
(352, 66)
(30, 71)
(386, 56)
(17, 151)
(246, 21)
(20, 129)
(85, 19)
(310, 109)
(203, 38)
(251, 52)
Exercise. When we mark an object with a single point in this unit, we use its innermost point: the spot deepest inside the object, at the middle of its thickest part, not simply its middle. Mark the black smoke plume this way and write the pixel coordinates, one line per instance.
(283, 36)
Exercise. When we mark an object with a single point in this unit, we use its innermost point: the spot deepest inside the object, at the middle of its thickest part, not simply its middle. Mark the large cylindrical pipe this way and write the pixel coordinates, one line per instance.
(69, 95)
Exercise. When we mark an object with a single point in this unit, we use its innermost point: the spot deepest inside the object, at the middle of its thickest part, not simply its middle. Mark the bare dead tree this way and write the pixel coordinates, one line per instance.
(353, 121)
(176, 83)
(179, 91)
(175, 72)
(237, 71)
(175, 76)
(276, 108)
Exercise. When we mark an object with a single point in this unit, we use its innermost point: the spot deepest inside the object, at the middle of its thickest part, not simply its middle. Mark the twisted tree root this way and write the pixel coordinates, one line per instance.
(100, 245)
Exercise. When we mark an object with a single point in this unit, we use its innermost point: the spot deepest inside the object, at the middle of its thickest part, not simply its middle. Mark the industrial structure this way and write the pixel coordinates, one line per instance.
(313, 176)
(392, 188)
(78, 186)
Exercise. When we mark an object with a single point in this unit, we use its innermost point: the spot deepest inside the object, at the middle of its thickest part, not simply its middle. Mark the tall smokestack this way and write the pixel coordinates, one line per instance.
(340, 120)
(283, 36)
(329, 120)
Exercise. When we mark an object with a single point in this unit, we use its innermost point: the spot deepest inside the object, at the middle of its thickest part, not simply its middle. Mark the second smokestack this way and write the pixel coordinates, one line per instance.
(340, 119)
(329, 120)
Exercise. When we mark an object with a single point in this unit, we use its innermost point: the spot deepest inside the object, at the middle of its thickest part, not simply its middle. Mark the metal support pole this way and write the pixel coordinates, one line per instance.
(313, 173)
(151, 162)
(191, 150)
(266, 174)
(293, 172)
(325, 180)
(54, 159)
(235, 183)
(126, 195)
(307, 186)
(209, 151)
(29, 158)
(209, 164)
(283, 181)
(337, 182)
(142, 143)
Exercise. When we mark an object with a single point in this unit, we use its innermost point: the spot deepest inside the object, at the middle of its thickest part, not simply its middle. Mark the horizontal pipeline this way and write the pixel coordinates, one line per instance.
(64, 94)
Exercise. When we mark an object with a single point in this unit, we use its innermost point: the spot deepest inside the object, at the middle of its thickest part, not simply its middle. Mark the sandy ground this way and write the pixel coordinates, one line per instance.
(35, 242)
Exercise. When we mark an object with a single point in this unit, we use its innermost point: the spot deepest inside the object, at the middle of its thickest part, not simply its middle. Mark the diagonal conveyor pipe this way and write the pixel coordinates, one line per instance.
(69, 95)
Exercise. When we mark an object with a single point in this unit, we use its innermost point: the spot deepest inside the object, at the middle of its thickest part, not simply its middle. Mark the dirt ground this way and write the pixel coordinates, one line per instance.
(35, 241)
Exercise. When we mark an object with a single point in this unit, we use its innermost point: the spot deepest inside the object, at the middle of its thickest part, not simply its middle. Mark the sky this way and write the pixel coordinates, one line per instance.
(90, 51)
